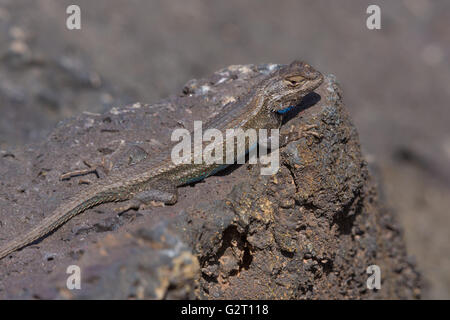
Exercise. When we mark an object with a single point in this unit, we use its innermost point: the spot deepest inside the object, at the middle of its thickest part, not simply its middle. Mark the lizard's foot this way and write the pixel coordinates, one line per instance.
(129, 205)
(157, 203)
(146, 200)
(136, 204)
(297, 133)
(306, 130)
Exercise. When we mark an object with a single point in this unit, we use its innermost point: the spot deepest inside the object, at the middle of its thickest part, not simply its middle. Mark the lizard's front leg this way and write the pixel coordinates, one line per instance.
(297, 133)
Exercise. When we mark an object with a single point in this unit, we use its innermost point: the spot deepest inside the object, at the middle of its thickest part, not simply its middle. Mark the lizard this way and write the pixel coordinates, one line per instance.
(262, 107)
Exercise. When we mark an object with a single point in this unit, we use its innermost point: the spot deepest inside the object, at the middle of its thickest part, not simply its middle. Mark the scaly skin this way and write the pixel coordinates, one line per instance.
(157, 180)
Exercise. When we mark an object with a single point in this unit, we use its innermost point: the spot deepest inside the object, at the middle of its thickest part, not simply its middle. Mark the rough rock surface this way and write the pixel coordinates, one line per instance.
(308, 232)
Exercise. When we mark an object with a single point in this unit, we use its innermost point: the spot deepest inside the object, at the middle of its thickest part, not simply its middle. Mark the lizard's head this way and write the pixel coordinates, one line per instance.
(290, 84)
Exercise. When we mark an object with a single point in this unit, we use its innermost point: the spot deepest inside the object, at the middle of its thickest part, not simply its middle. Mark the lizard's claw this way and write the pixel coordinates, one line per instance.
(157, 203)
(297, 133)
(135, 204)
(129, 205)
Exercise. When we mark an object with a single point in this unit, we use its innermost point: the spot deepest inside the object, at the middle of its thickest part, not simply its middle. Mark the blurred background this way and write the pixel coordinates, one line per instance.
(396, 80)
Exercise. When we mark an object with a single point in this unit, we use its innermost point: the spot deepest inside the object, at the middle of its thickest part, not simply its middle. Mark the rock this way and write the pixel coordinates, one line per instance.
(308, 232)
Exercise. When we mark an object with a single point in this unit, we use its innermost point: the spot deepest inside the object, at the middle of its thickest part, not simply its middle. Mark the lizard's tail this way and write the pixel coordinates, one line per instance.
(59, 217)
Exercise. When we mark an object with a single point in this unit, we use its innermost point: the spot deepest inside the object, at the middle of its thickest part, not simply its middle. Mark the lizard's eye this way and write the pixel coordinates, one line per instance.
(295, 80)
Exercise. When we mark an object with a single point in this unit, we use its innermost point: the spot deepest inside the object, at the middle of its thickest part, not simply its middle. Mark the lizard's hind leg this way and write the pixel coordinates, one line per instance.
(159, 193)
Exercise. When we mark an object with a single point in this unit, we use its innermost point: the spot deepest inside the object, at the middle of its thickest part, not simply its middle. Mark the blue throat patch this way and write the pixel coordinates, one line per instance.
(283, 111)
